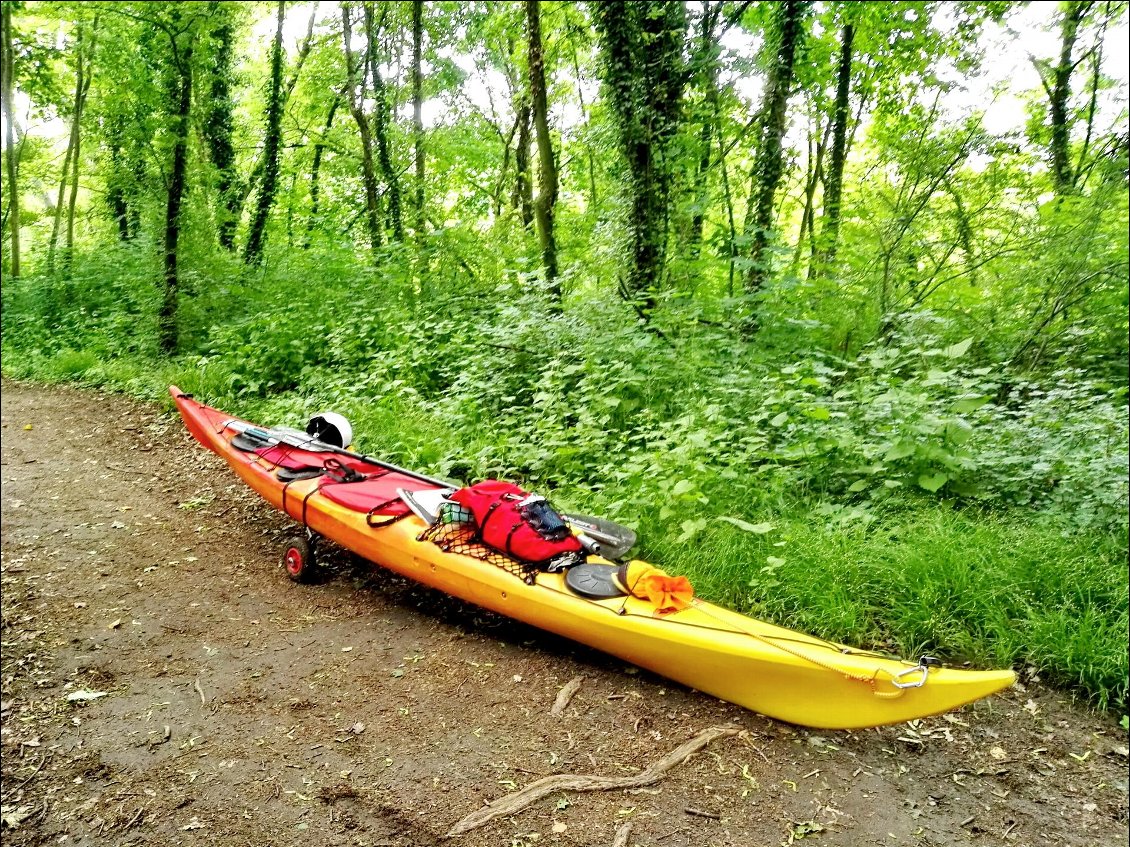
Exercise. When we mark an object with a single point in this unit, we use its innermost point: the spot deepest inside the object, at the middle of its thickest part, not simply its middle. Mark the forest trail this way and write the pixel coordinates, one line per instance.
(235, 707)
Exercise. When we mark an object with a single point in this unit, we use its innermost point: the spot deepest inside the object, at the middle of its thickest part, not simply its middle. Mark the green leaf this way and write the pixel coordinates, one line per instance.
(780, 419)
(932, 482)
(968, 404)
(859, 485)
(691, 528)
(958, 431)
(755, 528)
(683, 486)
(900, 451)
(958, 350)
(819, 413)
(774, 561)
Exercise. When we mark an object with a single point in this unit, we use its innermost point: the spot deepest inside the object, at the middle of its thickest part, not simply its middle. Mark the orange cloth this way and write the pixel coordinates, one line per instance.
(648, 582)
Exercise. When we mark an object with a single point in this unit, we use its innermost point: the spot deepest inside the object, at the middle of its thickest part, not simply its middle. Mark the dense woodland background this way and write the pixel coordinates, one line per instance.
(782, 284)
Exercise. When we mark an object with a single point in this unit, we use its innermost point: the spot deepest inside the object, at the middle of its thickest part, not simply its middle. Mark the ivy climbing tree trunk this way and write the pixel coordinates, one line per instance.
(766, 172)
(316, 168)
(523, 198)
(380, 124)
(418, 111)
(219, 126)
(1059, 95)
(833, 191)
(167, 315)
(10, 165)
(256, 235)
(643, 69)
(356, 85)
(243, 189)
(545, 204)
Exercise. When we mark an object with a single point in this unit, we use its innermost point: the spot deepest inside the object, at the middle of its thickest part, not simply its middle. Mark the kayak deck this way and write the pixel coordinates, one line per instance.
(769, 669)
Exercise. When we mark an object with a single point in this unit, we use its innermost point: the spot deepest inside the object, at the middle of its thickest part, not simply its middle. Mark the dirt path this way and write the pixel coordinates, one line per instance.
(240, 708)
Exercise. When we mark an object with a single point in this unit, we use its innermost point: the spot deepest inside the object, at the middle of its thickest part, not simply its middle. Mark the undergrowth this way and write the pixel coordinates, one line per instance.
(918, 498)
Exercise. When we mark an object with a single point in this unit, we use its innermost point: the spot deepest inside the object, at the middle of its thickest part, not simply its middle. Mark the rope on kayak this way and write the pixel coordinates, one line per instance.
(463, 539)
(871, 681)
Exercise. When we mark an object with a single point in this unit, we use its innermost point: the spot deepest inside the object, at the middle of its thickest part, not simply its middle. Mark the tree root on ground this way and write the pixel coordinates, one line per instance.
(523, 797)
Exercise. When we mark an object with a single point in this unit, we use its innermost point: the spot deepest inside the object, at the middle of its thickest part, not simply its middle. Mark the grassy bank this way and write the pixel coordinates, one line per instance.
(917, 498)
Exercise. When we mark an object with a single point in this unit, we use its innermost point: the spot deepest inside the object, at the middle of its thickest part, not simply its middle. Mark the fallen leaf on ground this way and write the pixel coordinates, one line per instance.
(83, 694)
(13, 816)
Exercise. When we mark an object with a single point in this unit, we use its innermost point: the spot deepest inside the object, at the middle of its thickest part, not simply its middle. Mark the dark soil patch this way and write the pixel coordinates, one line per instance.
(239, 708)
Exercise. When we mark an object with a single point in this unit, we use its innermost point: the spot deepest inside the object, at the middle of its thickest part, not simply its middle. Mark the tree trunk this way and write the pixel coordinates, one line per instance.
(1060, 95)
(544, 206)
(256, 235)
(707, 69)
(833, 192)
(356, 87)
(242, 190)
(167, 315)
(115, 192)
(64, 178)
(85, 52)
(766, 173)
(10, 164)
(315, 170)
(219, 127)
(380, 124)
(418, 110)
(523, 198)
(642, 46)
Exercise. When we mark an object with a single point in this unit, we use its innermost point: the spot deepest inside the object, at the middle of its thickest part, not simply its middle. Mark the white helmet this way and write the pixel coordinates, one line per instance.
(330, 428)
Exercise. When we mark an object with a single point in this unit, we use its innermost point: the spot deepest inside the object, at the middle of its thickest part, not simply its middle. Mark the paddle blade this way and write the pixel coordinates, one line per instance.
(615, 540)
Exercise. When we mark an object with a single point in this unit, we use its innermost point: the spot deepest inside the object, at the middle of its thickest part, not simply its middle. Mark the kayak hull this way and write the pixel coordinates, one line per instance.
(768, 669)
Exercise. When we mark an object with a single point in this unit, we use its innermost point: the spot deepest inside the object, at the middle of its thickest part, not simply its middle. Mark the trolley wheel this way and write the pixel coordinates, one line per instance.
(298, 559)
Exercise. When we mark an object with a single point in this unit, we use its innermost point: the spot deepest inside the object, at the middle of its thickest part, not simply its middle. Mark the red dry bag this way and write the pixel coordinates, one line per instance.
(522, 525)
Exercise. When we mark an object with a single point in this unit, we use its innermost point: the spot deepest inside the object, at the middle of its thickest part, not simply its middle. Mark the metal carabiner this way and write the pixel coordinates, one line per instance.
(923, 667)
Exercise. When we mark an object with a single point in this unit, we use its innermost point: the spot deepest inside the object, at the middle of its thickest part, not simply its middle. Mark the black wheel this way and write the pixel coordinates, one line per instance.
(298, 559)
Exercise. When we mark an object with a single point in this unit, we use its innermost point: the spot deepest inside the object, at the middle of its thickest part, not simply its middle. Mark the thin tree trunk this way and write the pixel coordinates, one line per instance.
(72, 145)
(315, 170)
(544, 206)
(418, 110)
(356, 87)
(523, 198)
(167, 315)
(85, 51)
(218, 129)
(10, 165)
(257, 234)
(766, 173)
(833, 193)
(243, 191)
(1060, 96)
(380, 124)
(707, 61)
(64, 178)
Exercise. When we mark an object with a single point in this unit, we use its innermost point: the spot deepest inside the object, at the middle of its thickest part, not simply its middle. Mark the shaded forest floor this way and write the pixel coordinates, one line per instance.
(240, 708)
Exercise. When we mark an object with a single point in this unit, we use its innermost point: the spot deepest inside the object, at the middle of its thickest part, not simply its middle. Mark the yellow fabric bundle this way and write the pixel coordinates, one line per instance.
(648, 582)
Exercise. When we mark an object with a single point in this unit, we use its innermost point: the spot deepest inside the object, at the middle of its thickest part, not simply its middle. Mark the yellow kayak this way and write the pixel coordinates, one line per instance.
(765, 668)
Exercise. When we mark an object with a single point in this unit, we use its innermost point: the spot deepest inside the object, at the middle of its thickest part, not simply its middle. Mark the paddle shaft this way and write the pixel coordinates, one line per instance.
(619, 539)
(321, 447)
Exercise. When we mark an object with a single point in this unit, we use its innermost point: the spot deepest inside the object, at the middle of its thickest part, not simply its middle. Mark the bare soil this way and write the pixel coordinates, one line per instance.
(238, 708)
